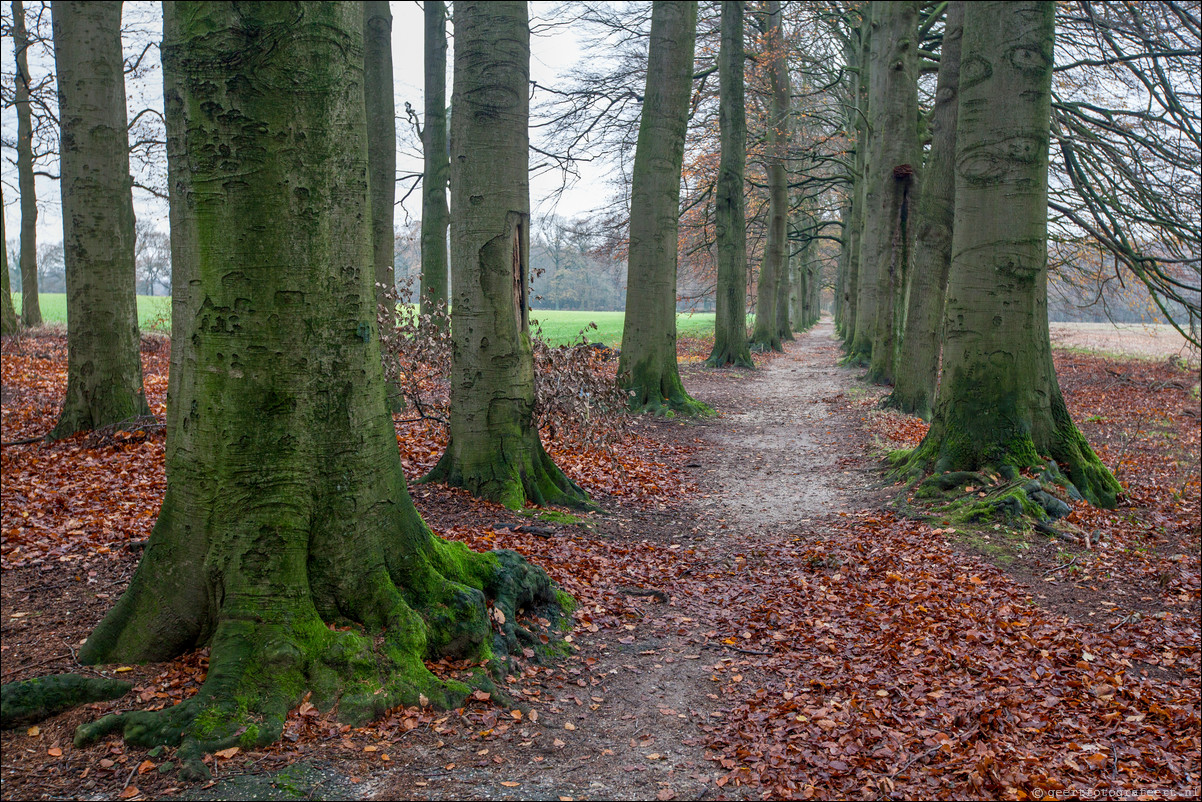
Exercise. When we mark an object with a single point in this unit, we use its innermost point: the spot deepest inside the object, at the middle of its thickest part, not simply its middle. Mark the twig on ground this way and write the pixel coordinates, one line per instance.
(1068, 564)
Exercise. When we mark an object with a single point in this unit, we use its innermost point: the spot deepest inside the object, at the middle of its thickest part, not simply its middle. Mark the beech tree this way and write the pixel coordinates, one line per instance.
(31, 311)
(286, 510)
(381, 144)
(8, 314)
(435, 214)
(104, 362)
(767, 334)
(917, 373)
(999, 405)
(647, 366)
(730, 320)
(494, 450)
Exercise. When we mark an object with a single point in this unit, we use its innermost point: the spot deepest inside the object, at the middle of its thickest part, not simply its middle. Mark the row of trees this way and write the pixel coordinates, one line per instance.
(286, 511)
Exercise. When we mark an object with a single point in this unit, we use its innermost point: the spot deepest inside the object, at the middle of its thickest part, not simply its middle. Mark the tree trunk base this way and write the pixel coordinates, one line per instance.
(729, 356)
(512, 476)
(357, 647)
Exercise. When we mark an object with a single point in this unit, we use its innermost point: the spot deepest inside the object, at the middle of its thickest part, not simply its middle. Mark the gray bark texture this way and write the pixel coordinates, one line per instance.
(859, 194)
(999, 403)
(730, 320)
(31, 311)
(495, 451)
(917, 371)
(104, 361)
(894, 157)
(381, 145)
(767, 334)
(436, 216)
(647, 366)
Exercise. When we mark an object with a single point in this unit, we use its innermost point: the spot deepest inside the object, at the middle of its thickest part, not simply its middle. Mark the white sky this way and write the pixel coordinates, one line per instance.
(551, 56)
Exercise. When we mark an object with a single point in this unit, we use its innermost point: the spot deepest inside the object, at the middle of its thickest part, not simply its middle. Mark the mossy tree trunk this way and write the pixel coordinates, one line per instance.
(8, 314)
(730, 214)
(647, 366)
(31, 310)
(766, 336)
(999, 404)
(104, 361)
(893, 159)
(435, 214)
(917, 373)
(381, 145)
(495, 451)
(286, 511)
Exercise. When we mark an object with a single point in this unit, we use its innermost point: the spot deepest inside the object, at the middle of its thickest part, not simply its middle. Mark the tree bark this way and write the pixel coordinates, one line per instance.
(495, 451)
(767, 334)
(647, 366)
(893, 160)
(859, 195)
(287, 540)
(381, 147)
(8, 314)
(435, 214)
(999, 404)
(917, 373)
(31, 310)
(730, 320)
(104, 362)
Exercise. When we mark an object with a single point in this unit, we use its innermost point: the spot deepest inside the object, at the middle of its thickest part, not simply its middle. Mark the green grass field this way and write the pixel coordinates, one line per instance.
(154, 312)
(558, 327)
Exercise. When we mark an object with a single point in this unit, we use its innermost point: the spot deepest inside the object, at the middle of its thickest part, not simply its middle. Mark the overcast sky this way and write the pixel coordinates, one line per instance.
(552, 55)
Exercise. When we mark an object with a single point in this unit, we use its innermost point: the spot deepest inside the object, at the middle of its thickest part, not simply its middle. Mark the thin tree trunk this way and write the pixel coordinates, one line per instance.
(647, 366)
(766, 336)
(859, 196)
(999, 404)
(8, 314)
(31, 310)
(436, 215)
(893, 159)
(381, 147)
(730, 320)
(286, 510)
(104, 361)
(917, 373)
(495, 451)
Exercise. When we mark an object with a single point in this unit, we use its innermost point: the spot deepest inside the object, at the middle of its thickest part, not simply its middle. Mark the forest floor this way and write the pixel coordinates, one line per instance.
(755, 619)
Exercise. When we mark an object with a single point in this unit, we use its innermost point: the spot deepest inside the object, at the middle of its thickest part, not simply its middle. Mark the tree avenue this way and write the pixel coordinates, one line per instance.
(286, 511)
(999, 405)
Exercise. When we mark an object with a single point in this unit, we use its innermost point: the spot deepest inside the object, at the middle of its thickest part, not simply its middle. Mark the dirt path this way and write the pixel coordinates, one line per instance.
(777, 456)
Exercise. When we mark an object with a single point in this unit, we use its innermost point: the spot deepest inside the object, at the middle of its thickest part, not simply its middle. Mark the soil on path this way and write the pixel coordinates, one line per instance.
(780, 454)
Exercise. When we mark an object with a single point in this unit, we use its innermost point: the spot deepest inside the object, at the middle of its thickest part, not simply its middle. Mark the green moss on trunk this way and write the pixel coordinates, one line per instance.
(287, 540)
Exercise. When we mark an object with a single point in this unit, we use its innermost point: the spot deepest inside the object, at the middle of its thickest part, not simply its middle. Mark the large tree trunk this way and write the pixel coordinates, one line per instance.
(766, 336)
(647, 366)
(8, 315)
(999, 405)
(104, 362)
(435, 214)
(495, 451)
(730, 320)
(381, 147)
(893, 159)
(286, 511)
(917, 373)
(31, 311)
(892, 154)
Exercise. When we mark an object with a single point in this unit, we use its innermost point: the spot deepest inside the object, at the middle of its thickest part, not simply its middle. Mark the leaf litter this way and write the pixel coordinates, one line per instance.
(855, 654)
